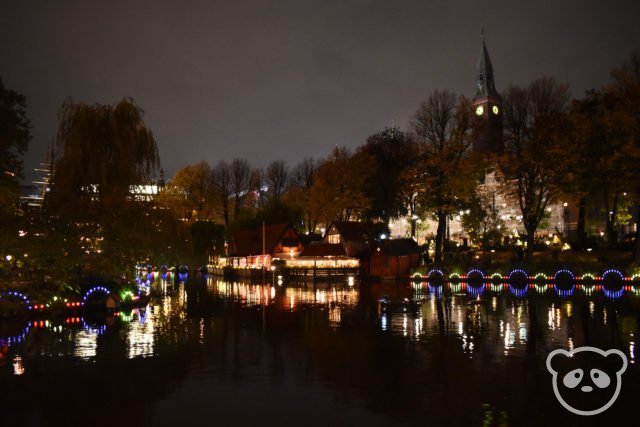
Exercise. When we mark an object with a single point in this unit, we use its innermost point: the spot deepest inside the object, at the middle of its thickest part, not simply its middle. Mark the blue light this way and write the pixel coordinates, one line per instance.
(92, 291)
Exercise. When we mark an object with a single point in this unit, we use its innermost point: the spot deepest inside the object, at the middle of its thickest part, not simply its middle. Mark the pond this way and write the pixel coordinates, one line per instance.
(214, 352)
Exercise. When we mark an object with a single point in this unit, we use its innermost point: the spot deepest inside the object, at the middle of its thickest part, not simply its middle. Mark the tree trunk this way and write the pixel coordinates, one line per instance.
(531, 233)
(611, 223)
(440, 233)
(582, 223)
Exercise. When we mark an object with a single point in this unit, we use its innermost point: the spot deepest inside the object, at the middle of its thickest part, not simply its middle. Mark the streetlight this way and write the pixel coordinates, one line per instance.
(273, 273)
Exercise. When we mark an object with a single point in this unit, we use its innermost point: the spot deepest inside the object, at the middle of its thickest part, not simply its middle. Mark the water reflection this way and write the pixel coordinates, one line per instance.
(384, 346)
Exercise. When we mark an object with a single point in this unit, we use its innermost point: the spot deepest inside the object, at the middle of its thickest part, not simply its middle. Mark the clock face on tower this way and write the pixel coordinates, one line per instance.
(495, 110)
(479, 110)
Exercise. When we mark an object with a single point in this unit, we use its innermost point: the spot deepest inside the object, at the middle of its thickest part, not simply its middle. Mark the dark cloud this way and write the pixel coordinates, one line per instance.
(288, 79)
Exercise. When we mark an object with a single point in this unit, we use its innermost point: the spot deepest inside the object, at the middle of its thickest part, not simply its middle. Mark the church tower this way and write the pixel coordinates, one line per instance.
(487, 108)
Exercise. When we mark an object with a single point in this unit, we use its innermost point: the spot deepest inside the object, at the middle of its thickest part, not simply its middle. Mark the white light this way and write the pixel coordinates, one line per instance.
(383, 236)
(8, 257)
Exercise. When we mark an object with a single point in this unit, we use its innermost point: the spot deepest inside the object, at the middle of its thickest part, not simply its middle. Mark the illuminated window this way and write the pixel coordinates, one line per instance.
(334, 238)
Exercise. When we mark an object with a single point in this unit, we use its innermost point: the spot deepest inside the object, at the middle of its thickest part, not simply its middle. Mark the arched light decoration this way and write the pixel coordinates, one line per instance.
(564, 270)
(454, 276)
(15, 339)
(518, 293)
(540, 276)
(519, 271)
(565, 293)
(94, 290)
(475, 291)
(435, 290)
(496, 275)
(20, 295)
(455, 287)
(613, 271)
(496, 288)
(417, 275)
(437, 271)
(613, 294)
(475, 270)
(541, 288)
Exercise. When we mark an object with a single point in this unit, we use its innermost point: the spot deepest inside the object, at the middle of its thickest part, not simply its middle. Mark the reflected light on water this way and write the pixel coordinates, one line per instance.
(140, 336)
(86, 344)
(18, 368)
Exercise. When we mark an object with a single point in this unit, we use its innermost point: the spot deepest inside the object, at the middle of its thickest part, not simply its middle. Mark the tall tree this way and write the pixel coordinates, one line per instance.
(601, 166)
(240, 180)
(302, 179)
(392, 152)
(535, 161)
(15, 133)
(338, 193)
(191, 192)
(105, 149)
(626, 88)
(277, 178)
(442, 128)
(222, 182)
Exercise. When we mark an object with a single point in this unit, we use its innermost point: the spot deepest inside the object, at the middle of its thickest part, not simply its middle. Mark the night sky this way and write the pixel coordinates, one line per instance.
(273, 79)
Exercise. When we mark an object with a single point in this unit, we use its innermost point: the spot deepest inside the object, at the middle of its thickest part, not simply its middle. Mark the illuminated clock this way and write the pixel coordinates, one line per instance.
(495, 109)
(479, 110)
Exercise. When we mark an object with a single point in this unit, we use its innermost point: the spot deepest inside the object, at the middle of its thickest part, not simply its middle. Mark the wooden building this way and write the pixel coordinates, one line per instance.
(355, 237)
(257, 248)
(394, 259)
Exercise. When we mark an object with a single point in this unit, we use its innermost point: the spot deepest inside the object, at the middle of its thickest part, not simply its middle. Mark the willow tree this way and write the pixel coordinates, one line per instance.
(105, 149)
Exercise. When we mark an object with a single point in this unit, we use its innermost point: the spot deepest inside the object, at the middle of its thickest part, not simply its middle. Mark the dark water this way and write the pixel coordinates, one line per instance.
(217, 353)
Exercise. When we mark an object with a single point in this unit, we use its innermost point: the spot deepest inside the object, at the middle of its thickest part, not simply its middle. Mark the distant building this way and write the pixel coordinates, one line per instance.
(487, 108)
(488, 140)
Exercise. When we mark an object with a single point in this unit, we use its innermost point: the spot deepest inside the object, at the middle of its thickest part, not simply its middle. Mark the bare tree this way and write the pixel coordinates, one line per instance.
(240, 180)
(442, 127)
(277, 178)
(302, 178)
(535, 123)
(222, 185)
(304, 172)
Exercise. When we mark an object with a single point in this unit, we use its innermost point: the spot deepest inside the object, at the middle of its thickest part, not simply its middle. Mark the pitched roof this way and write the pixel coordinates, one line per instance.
(399, 247)
(320, 249)
(353, 230)
(249, 242)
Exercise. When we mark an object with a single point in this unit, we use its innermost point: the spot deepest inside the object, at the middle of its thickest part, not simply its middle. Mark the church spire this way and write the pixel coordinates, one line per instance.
(485, 85)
